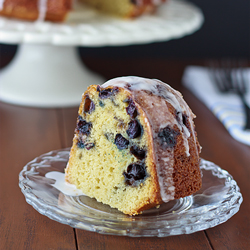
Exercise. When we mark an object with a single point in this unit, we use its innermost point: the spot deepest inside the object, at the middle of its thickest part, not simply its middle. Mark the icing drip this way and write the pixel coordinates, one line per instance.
(42, 9)
(1, 4)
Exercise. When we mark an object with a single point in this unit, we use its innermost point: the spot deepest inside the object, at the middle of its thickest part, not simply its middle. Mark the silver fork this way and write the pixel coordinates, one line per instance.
(230, 78)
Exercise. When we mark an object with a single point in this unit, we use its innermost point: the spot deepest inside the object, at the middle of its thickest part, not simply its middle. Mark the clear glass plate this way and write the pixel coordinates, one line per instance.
(217, 201)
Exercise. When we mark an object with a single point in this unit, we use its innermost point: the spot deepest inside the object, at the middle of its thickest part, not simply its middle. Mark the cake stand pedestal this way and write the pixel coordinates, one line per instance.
(46, 71)
(46, 76)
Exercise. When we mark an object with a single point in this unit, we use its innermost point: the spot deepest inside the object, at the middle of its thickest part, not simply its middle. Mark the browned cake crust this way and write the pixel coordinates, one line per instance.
(186, 171)
(56, 11)
(186, 174)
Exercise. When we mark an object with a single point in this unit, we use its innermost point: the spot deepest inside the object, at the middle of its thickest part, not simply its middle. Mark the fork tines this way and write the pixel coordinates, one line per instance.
(230, 76)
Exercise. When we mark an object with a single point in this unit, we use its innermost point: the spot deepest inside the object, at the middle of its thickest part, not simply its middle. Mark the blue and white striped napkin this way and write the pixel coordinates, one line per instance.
(226, 107)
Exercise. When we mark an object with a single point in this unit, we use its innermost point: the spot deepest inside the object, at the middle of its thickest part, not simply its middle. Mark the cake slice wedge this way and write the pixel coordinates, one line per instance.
(135, 145)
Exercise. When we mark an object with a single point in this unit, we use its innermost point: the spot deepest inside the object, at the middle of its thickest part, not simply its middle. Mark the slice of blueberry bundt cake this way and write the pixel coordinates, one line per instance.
(135, 145)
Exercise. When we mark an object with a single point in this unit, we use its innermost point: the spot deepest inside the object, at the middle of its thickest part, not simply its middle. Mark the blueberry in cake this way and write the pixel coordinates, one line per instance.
(135, 145)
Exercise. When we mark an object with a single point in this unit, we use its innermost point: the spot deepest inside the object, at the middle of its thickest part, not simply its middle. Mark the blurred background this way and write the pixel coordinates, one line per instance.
(225, 33)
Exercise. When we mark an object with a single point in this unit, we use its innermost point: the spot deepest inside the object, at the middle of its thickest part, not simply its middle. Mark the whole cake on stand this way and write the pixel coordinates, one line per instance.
(46, 72)
(57, 11)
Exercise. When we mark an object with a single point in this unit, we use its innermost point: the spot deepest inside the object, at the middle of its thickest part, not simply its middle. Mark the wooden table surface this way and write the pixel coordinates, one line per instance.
(27, 132)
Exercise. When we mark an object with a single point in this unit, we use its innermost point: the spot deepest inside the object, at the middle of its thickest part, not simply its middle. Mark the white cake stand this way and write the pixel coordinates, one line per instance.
(46, 71)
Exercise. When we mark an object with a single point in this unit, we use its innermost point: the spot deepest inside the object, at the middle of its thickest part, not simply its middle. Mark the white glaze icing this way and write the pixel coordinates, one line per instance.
(1, 4)
(63, 186)
(154, 108)
(137, 83)
(42, 9)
